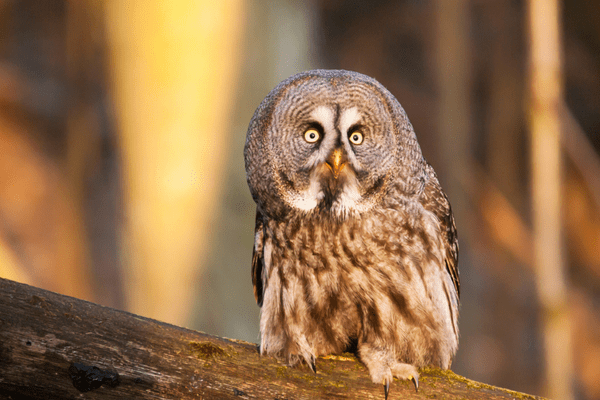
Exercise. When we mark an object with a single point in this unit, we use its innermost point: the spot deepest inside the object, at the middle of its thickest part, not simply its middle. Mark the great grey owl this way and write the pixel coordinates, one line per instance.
(355, 243)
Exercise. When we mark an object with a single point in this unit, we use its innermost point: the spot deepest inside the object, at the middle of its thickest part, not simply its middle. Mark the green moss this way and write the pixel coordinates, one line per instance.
(338, 384)
(309, 377)
(340, 357)
(206, 350)
(281, 372)
(453, 378)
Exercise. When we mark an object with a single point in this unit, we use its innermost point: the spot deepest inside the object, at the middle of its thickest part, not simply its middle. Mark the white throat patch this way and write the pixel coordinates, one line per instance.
(308, 199)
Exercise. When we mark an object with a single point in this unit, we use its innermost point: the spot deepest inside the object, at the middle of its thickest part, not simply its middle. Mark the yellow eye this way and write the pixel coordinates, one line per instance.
(311, 135)
(356, 137)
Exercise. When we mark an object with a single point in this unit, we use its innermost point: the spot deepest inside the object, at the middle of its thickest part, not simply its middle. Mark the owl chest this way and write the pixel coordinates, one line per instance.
(326, 263)
(313, 248)
(310, 280)
(337, 282)
(299, 246)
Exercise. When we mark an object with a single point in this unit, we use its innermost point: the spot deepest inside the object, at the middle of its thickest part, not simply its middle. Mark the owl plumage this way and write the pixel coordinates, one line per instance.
(355, 242)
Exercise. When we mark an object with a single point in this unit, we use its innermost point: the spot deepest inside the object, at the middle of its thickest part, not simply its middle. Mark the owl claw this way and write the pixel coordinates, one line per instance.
(415, 380)
(312, 364)
(386, 385)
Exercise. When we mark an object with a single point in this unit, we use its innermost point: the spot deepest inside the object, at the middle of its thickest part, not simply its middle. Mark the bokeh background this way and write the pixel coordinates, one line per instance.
(122, 126)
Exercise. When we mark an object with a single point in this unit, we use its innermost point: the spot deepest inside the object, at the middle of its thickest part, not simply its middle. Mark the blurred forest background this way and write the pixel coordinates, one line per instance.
(122, 125)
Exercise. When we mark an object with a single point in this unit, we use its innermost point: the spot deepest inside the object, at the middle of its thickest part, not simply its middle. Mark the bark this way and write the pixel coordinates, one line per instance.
(58, 347)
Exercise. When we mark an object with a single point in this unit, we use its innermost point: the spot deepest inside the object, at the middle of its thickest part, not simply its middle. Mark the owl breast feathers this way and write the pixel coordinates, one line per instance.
(355, 243)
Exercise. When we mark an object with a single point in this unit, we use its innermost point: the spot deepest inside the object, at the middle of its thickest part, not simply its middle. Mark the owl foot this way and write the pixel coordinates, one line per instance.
(382, 371)
(310, 360)
(386, 385)
(406, 372)
(415, 380)
(386, 388)
(312, 364)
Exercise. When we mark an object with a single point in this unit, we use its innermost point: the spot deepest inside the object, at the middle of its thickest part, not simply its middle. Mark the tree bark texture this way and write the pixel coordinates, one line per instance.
(58, 347)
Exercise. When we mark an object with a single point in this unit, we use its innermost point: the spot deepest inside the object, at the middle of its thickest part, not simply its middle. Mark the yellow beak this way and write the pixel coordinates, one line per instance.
(336, 161)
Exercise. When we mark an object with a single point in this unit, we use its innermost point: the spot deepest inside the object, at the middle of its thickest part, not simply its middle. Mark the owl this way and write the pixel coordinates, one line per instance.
(355, 244)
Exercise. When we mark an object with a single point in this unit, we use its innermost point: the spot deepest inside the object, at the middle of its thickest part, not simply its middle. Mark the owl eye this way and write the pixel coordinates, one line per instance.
(311, 135)
(356, 137)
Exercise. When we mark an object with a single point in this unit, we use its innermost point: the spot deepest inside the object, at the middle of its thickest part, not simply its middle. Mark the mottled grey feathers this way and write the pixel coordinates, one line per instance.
(355, 243)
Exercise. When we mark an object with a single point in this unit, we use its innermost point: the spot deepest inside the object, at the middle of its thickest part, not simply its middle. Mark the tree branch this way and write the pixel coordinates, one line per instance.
(58, 347)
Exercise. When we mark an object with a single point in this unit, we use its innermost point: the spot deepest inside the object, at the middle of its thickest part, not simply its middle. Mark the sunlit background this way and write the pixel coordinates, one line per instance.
(122, 126)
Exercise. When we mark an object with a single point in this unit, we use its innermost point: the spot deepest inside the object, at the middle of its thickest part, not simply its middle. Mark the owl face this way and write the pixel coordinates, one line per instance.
(331, 143)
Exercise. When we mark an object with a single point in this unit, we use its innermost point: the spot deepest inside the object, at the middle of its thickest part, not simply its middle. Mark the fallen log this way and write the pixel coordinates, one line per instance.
(58, 347)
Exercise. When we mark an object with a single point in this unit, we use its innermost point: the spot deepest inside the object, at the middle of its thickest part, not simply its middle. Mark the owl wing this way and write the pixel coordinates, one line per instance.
(258, 259)
(435, 200)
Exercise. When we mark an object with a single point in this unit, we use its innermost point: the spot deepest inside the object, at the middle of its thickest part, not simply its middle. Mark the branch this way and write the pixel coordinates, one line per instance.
(58, 347)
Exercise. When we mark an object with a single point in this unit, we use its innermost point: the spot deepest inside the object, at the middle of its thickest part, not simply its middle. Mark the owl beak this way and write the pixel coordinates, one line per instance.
(336, 161)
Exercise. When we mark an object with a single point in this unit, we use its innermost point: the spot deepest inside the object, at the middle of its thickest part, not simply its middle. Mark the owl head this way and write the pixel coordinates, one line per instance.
(332, 142)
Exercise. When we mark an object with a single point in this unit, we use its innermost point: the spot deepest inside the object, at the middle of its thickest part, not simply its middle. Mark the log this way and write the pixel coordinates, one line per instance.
(57, 347)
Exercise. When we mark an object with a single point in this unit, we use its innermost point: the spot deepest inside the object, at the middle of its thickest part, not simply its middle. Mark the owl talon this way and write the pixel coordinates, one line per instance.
(312, 364)
(415, 380)
(386, 388)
